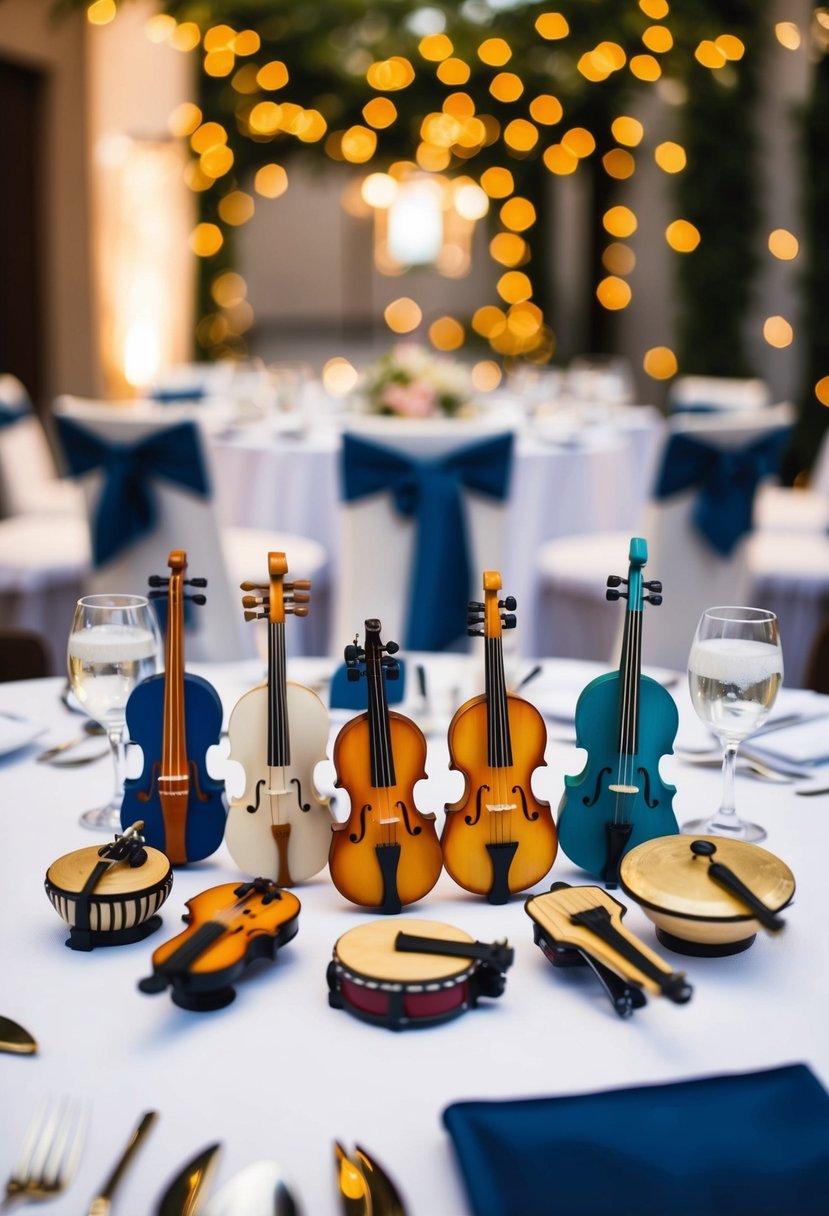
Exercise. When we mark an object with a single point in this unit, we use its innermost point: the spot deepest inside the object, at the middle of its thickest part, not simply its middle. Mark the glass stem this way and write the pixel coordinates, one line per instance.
(729, 765)
(118, 744)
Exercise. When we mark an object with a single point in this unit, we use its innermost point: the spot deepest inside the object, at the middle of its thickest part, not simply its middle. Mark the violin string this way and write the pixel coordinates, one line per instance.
(629, 646)
(504, 816)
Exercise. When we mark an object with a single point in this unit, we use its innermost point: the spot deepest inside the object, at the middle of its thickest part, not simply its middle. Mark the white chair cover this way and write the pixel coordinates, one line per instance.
(715, 393)
(28, 477)
(580, 624)
(377, 543)
(226, 557)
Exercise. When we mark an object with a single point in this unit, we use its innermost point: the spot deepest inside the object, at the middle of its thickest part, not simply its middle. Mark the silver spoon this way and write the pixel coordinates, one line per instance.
(90, 727)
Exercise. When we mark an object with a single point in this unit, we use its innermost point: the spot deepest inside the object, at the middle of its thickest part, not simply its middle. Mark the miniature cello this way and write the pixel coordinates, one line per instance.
(280, 828)
(175, 717)
(626, 721)
(498, 838)
(387, 853)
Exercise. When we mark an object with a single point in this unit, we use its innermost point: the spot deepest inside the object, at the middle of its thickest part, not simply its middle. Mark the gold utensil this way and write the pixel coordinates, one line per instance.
(184, 1194)
(89, 727)
(365, 1188)
(14, 1038)
(50, 1152)
(102, 1203)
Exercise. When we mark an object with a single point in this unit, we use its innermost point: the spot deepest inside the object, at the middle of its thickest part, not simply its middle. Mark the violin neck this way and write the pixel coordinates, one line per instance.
(499, 745)
(630, 671)
(174, 747)
(379, 732)
(279, 742)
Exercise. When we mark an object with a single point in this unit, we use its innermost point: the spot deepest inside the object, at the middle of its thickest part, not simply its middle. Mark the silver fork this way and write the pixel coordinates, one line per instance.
(49, 1154)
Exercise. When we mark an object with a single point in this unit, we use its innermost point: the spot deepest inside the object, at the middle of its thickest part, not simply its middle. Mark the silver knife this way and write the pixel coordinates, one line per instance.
(102, 1202)
(257, 1190)
(185, 1193)
(15, 1039)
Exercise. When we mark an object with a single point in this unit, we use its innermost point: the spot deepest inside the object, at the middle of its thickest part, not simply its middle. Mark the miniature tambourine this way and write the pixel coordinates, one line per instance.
(427, 974)
(578, 925)
(110, 895)
(707, 895)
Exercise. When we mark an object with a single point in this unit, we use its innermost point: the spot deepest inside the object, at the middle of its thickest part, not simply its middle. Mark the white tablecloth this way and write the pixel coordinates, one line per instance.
(279, 1074)
(562, 484)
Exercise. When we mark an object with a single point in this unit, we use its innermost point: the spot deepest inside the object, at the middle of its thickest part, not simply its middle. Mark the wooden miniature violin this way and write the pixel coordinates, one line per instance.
(387, 853)
(175, 717)
(626, 722)
(281, 826)
(229, 927)
(498, 838)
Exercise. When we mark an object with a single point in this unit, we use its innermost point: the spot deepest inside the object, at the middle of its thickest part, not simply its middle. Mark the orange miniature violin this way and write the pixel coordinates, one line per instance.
(387, 853)
(498, 838)
(229, 927)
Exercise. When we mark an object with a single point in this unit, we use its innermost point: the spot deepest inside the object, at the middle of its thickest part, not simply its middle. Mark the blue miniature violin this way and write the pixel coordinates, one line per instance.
(175, 717)
(626, 722)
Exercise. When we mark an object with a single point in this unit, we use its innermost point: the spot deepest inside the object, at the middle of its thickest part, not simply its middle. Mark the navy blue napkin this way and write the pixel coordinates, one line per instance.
(744, 1144)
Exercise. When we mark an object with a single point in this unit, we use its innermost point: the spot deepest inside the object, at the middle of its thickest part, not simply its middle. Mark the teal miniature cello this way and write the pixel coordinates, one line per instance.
(626, 722)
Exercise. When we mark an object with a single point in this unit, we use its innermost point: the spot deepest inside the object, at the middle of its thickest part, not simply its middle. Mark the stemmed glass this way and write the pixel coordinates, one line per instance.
(734, 671)
(113, 644)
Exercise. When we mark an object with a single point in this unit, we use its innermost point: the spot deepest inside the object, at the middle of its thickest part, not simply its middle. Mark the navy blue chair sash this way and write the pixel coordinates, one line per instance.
(9, 414)
(126, 510)
(430, 491)
(726, 478)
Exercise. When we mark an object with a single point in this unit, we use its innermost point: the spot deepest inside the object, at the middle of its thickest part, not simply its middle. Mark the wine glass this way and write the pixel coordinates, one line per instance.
(113, 644)
(734, 671)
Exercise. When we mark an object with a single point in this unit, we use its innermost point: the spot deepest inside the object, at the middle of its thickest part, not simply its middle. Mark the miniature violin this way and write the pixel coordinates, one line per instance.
(626, 722)
(498, 838)
(229, 927)
(387, 853)
(175, 717)
(281, 826)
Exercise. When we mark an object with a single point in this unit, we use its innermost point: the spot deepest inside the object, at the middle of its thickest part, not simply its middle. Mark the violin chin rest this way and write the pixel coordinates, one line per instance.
(153, 983)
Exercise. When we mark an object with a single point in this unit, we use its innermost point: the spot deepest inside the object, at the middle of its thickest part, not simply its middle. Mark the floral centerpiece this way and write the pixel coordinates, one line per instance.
(411, 382)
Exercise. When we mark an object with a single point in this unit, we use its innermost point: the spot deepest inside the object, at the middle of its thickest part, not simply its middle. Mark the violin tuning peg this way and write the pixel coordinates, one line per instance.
(300, 597)
(252, 601)
(612, 594)
(391, 648)
(508, 620)
(656, 600)
(253, 616)
(253, 587)
(197, 599)
(352, 654)
(157, 595)
(299, 584)
(475, 606)
(196, 582)
(616, 580)
(156, 580)
(510, 603)
(654, 585)
(299, 611)
(475, 633)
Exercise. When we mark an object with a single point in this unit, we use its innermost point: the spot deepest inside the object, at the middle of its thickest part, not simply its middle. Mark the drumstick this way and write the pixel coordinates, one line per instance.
(498, 954)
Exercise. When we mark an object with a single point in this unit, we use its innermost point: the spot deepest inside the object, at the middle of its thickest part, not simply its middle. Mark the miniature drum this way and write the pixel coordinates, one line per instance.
(116, 906)
(369, 978)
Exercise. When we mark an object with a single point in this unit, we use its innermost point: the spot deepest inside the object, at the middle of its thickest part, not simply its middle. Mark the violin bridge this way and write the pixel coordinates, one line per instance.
(624, 789)
(500, 806)
(391, 819)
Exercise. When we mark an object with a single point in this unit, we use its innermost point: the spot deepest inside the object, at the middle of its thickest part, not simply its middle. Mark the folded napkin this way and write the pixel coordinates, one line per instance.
(744, 1144)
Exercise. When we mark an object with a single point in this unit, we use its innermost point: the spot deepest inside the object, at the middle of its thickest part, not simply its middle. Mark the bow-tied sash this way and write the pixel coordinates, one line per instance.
(727, 479)
(126, 509)
(430, 491)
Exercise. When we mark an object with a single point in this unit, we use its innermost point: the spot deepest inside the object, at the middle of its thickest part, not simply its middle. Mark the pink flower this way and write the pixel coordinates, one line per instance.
(415, 400)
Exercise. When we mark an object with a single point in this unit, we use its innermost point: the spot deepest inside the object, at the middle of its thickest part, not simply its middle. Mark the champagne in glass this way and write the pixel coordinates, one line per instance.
(113, 645)
(734, 671)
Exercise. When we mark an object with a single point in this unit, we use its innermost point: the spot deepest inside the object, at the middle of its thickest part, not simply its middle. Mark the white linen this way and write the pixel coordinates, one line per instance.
(278, 1074)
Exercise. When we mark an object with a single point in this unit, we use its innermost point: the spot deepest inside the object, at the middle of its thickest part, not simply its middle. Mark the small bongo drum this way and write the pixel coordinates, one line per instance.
(428, 974)
(110, 895)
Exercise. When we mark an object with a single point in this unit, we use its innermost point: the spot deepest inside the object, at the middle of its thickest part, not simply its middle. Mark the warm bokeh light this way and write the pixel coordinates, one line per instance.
(388, 75)
(787, 34)
(660, 363)
(273, 75)
(732, 47)
(552, 25)
(339, 377)
(620, 221)
(560, 160)
(358, 144)
(822, 390)
(579, 141)
(710, 55)
(247, 42)
(236, 208)
(670, 157)
(627, 130)
(160, 28)
(778, 332)
(506, 87)
(446, 333)
(184, 120)
(216, 162)
(497, 182)
(219, 63)
(514, 287)
(618, 163)
(525, 320)
(645, 67)
(546, 109)
(206, 240)
(657, 10)
(219, 38)
(489, 321)
(471, 202)
(379, 190)
(265, 117)
(459, 105)
(518, 214)
(658, 38)
(783, 244)
(682, 236)
(101, 12)
(270, 181)
(485, 376)
(403, 315)
(618, 258)
(520, 135)
(380, 112)
(494, 52)
(185, 36)
(453, 72)
(228, 289)
(613, 293)
(509, 249)
(435, 47)
(208, 135)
